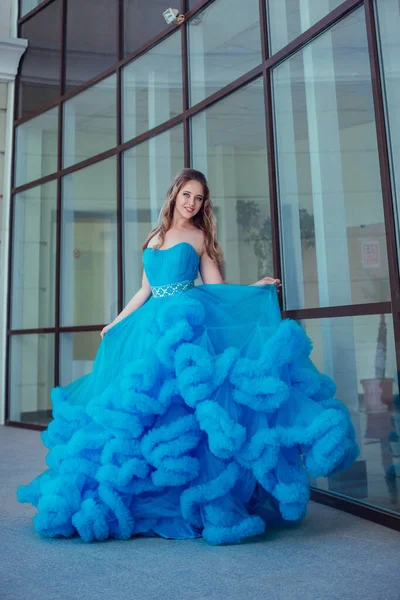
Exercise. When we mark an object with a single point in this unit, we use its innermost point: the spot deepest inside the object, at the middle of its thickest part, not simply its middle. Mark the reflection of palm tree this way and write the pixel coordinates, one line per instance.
(258, 231)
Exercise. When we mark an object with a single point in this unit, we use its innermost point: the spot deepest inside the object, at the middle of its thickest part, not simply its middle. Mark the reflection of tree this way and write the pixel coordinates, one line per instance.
(258, 231)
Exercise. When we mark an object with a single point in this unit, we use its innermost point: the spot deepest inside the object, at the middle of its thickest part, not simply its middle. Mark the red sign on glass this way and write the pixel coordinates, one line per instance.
(370, 253)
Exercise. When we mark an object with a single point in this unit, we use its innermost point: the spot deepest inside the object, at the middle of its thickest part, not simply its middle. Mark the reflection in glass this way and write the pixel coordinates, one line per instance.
(152, 87)
(143, 20)
(34, 249)
(287, 19)
(388, 19)
(359, 354)
(90, 122)
(148, 171)
(36, 147)
(333, 234)
(228, 145)
(220, 54)
(91, 40)
(89, 245)
(39, 84)
(31, 377)
(77, 353)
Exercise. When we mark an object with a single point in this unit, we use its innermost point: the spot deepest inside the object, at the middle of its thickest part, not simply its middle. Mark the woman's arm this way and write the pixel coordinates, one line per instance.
(141, 296)
(209, 270)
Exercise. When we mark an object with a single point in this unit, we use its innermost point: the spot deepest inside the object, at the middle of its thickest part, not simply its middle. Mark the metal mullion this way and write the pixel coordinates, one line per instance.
(322, 25)
(33, 12)
(67, 170)
(36, 113)
(384, 166)
(200, 6)
(60, 329)
(185, 86)
(263, 30)
(272, 178)
(22, 425)
(347, 310)
(120, 233)
(120, 34)
(357, 508)
(58, 289)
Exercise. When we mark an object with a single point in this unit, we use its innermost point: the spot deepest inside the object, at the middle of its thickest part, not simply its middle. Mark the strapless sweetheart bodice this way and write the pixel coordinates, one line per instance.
(172, 265)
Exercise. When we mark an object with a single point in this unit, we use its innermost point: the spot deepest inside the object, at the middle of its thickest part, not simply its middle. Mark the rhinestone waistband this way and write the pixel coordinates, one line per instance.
(170, 289)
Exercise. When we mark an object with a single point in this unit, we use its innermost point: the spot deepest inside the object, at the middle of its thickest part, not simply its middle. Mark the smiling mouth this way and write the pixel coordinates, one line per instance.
(189, 209)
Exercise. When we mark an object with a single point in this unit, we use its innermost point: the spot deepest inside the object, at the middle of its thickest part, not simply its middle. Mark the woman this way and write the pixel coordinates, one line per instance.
(203, 414)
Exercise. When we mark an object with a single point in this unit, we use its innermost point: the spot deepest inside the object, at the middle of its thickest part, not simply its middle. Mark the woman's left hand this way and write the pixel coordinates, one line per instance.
(269, 281)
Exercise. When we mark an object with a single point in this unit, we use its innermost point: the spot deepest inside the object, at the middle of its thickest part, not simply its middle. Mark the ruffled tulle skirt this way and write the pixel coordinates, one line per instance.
(203, 416)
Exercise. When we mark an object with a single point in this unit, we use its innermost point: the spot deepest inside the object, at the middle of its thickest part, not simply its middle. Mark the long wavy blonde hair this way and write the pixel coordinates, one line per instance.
(203, 220)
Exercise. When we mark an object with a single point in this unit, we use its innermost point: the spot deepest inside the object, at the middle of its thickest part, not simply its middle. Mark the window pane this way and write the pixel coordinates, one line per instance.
(36, 147)
(39, 84)
(287, 19)
(228, 145)
(219, 54)
(90, 122)
(91, 40)
(28, 5)
(388, 16)
(31, 377)
(34, 250)
(333, 234)
(143, 20)
(149, 169)
(78, 351)
(359, 354)
(89, 245)
(152, 87)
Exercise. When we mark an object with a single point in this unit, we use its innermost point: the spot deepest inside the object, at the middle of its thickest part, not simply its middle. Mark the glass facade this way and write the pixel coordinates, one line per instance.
(291, 110)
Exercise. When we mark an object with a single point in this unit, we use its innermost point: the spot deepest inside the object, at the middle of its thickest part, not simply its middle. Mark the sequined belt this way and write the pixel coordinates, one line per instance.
(170, 289)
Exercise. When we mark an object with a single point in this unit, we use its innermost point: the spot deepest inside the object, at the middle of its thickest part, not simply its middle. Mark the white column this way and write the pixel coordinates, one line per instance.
(11, 50)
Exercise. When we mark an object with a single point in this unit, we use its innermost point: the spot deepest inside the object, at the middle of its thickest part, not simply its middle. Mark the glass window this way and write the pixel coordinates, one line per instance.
(31, 377)
(229, 146)
(89, 245)
(359, 354)
(36, 147)
(77, 353)
(149, 169)
(90, 122)
(39, 83)
(287, 19)
(224, 43)
(143, 20)
(332, 225)
(388, 18)
(34, 250)
(152, 88)
(91, 40)
(28, 5)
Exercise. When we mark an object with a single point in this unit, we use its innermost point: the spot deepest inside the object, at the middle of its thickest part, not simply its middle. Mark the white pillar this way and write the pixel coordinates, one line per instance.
(11, 50)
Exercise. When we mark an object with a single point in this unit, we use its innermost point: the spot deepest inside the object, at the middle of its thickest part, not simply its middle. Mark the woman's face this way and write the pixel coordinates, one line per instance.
(189, 199)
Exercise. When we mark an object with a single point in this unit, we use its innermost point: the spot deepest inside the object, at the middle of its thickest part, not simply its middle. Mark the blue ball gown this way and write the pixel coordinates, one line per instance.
(203, 416)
